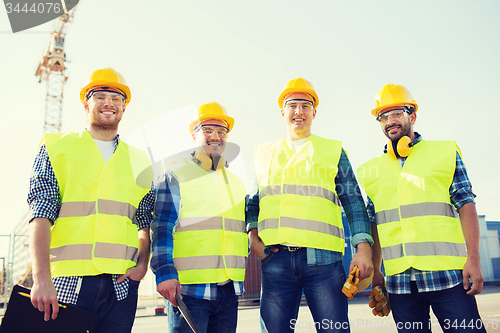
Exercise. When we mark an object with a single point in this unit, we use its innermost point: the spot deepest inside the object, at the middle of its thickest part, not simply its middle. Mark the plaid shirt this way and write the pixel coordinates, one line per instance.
(44, 201)
(460, 194)
(166, 218)
(354, 207)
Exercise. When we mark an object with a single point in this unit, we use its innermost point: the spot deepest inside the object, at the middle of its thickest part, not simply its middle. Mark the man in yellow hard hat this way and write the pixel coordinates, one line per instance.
(294, 220)
(89, 214)
(414, 188)
(198, 233)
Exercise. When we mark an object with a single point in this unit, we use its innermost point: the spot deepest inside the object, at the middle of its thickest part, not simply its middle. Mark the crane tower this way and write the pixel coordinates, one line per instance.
(52, 68)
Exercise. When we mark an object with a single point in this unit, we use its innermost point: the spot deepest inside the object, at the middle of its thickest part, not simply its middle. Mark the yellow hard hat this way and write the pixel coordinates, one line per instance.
(393, 95)
(211, 110)
(106, 77)
(298, 85)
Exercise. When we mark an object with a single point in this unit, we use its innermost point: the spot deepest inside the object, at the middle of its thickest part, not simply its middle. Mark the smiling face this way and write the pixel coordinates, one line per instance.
(398, 124)
(211, 136)
(104, 110)
(298, 112)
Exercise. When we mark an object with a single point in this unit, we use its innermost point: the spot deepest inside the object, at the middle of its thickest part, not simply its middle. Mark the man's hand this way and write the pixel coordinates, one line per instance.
(363, 260)
(472, 267)
(168, 289)
(472, 270)
(43, 293)
(135, 273)
(256, 244)
(378, 280)
(44, 297)
(138, 272)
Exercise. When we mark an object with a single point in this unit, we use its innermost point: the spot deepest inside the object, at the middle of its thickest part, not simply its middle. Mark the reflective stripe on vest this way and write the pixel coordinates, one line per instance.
(416, 223)
(413, 210)
(297, 194)
(204, 223)
(290, 222)
(84, 252)
(210, 240)
(305, 190)
(424, 249)
(85, 208)
(96, 229)
(209, 262)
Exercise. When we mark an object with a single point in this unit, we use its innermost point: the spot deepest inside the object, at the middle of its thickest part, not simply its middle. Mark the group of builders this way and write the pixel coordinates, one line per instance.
(99, 220)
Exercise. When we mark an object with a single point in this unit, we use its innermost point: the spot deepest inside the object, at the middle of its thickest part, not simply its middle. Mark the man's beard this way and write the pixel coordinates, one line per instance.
(104, 127)
(405, 131)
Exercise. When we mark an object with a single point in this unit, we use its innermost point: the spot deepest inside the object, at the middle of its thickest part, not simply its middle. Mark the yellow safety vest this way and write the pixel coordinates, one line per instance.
(416, 222)
(298, 200)
(96, 230)
(210, 241)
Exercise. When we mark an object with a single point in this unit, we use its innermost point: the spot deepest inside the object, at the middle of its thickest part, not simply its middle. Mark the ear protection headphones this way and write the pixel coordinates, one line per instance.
(402, 149)
(206, 163)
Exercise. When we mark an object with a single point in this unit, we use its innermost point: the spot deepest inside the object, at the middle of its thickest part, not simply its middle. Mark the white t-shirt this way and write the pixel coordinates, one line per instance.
(107, 148)
(297, 145)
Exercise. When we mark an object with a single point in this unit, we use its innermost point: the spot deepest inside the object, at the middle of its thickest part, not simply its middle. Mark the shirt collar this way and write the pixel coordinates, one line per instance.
(417, 139)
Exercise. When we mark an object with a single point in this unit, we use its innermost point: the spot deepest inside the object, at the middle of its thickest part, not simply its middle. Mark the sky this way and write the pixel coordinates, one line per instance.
(177, 55)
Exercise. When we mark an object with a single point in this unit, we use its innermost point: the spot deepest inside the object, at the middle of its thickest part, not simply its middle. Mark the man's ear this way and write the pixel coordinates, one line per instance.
(314, 113)
(283, 113)
(86, 105)
(413, 118)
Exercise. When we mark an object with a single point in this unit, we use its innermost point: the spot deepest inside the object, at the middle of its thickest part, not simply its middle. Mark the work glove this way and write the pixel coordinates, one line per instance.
(379, 302)
(350, 286)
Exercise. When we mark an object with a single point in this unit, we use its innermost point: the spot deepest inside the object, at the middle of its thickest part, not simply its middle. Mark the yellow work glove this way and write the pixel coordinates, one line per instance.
(379, 302)
(350, 286)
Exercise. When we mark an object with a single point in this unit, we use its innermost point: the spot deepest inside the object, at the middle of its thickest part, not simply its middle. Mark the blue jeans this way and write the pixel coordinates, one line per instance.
(455, 310)
(217, 316)
(97, 295)
(285, 275)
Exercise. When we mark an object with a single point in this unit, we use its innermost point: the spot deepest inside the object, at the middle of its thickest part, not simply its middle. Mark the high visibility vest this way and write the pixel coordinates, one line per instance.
(96, 230)
(210, 240)
(416, 222)
(298, 199)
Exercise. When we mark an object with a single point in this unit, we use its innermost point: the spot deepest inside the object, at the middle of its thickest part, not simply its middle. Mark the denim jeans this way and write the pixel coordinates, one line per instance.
(285, 275)
(97, 295)
(455, 310)
(217, 316)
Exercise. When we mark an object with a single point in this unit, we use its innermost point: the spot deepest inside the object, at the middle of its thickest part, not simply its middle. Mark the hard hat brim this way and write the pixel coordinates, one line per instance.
(103, 83)
(227, 119)
(292, 90)
(376, 111)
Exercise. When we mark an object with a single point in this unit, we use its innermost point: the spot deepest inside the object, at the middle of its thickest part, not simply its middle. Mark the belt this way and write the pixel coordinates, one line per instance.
(289, 248)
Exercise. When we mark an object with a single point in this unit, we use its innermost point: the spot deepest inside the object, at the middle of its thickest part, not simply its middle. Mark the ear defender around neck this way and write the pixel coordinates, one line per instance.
(402, 149)
(206, 163)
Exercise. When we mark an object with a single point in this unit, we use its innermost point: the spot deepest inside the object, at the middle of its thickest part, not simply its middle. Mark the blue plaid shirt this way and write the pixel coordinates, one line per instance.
(44, 201)
(166, 215)
(460, 194)
(354, 208)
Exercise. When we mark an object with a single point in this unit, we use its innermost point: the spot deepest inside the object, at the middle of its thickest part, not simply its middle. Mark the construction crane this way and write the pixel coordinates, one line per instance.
(53, 69)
